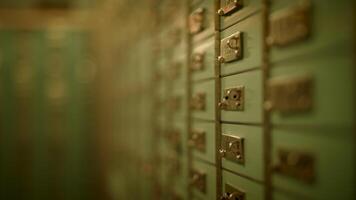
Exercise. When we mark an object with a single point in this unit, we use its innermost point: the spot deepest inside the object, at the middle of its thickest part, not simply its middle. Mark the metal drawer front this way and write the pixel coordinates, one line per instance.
(310, 21)
(246, 188)
(239, 11)
(201, 20)
(209, 172)
(204, 145)
(252, 99)
(250, 52)
(309, 97)
(203, 100)
(311, 162)
(252, 165)
(202, 60)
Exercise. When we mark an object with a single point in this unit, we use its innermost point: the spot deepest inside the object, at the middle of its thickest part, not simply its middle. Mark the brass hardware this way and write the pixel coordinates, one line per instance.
(233, 99)
(197, 61)
(222, 152)
(230, 7)
(232, 193)
(197, 140)
(198, 101)
(299, 165)
(198, 180)
(221, 59)
(290, 25)
(232, 148)
(196, 21)
(231, 48)
(293, 94)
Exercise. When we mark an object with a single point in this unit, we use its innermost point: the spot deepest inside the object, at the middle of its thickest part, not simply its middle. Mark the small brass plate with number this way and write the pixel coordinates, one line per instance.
(296, 164)
(232, 148)
(231, 48)
(290, 25)
(291, 94)
(198, 180)
(233, 99)
(196, 21)
(198, 101)
(197, 140)
(232, 193)
(230, 6)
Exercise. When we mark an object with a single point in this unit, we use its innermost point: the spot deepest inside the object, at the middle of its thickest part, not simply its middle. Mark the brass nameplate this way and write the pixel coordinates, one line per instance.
(290, 25)
(233, 148)
(230, 6)
(196, 21)
(296, 164)
(197, 140)
(233, 99)
(231, 48)
(197, 61)
(198, 180)
(232, 193)
(198, 102)
(291, 94)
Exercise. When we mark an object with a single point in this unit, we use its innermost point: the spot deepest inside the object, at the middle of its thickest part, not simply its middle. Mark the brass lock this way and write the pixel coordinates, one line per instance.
(229, 7)
(196, 21)
(198, 180)
(232, 148)
(197, 140)
(290, 25)
(296, 164)
(290, 94)
(198, 101)
(197, 61)
(231, 48)
(232, 193)
(233, 99)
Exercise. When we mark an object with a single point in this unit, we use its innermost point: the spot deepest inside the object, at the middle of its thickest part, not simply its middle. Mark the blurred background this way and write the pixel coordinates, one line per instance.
(64, 81)
(89, 108)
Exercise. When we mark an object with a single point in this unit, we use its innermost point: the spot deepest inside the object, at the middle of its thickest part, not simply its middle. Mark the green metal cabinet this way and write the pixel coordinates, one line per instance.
(332, 90)
(203, 26)
(251, 30)
(252, 136)
(250, 189)
(202, 60)
(252, 97)
(207, 140)
(209, 183)
(202, 94)
(246, 9)
(330, 29)
(330, 166)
